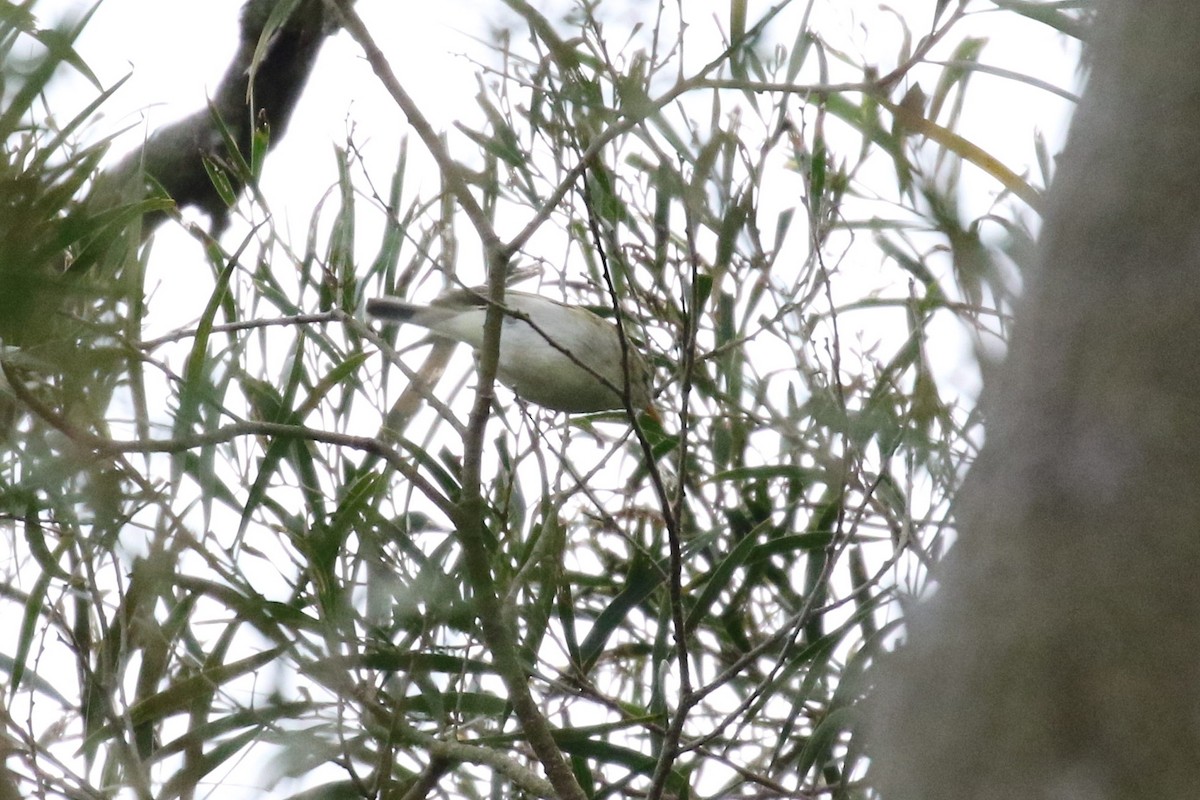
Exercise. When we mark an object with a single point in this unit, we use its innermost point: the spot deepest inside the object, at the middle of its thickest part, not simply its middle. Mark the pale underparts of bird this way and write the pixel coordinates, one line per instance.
(559, 356)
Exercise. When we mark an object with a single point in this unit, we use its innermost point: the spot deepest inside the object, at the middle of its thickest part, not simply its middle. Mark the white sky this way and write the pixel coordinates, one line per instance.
(175, 51)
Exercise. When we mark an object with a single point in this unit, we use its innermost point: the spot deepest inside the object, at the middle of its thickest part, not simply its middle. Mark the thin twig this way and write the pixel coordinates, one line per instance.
(222, 435)
(469, 514)
(231, 327)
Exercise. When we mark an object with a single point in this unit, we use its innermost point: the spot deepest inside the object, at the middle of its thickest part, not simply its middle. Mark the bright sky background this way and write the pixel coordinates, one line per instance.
(176, 51)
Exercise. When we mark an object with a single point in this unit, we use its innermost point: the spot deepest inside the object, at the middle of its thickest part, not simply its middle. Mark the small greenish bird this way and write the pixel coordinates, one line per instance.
(562, 357)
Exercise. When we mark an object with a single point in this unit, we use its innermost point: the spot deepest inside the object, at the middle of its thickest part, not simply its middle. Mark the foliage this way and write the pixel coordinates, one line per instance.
(242, 542)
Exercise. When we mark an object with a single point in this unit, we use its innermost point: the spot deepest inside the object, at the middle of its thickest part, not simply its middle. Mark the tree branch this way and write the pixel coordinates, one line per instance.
(226, 433)
(260, 87)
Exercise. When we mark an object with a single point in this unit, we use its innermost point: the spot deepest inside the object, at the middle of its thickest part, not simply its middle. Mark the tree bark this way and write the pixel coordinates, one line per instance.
(1059, 654)
(173, 157)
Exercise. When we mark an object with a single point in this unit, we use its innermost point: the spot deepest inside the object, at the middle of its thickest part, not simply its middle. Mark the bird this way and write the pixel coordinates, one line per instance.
(562, 357)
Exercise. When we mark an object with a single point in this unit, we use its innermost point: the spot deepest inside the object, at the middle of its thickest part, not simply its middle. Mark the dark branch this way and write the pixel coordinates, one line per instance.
(172, 160)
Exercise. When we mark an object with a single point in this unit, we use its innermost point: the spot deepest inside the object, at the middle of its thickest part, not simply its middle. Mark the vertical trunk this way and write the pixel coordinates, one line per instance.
(1059, 656)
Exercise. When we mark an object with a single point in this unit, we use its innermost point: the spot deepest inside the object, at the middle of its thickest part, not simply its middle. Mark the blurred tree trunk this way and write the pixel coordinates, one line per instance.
(1059, 656)
(259, 91)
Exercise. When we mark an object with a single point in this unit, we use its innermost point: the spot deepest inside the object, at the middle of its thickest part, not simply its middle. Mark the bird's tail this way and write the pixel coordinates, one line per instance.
(391, 309)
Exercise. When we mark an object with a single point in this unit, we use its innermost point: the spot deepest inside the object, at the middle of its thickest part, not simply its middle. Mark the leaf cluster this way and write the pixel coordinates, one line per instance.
(238, 547)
